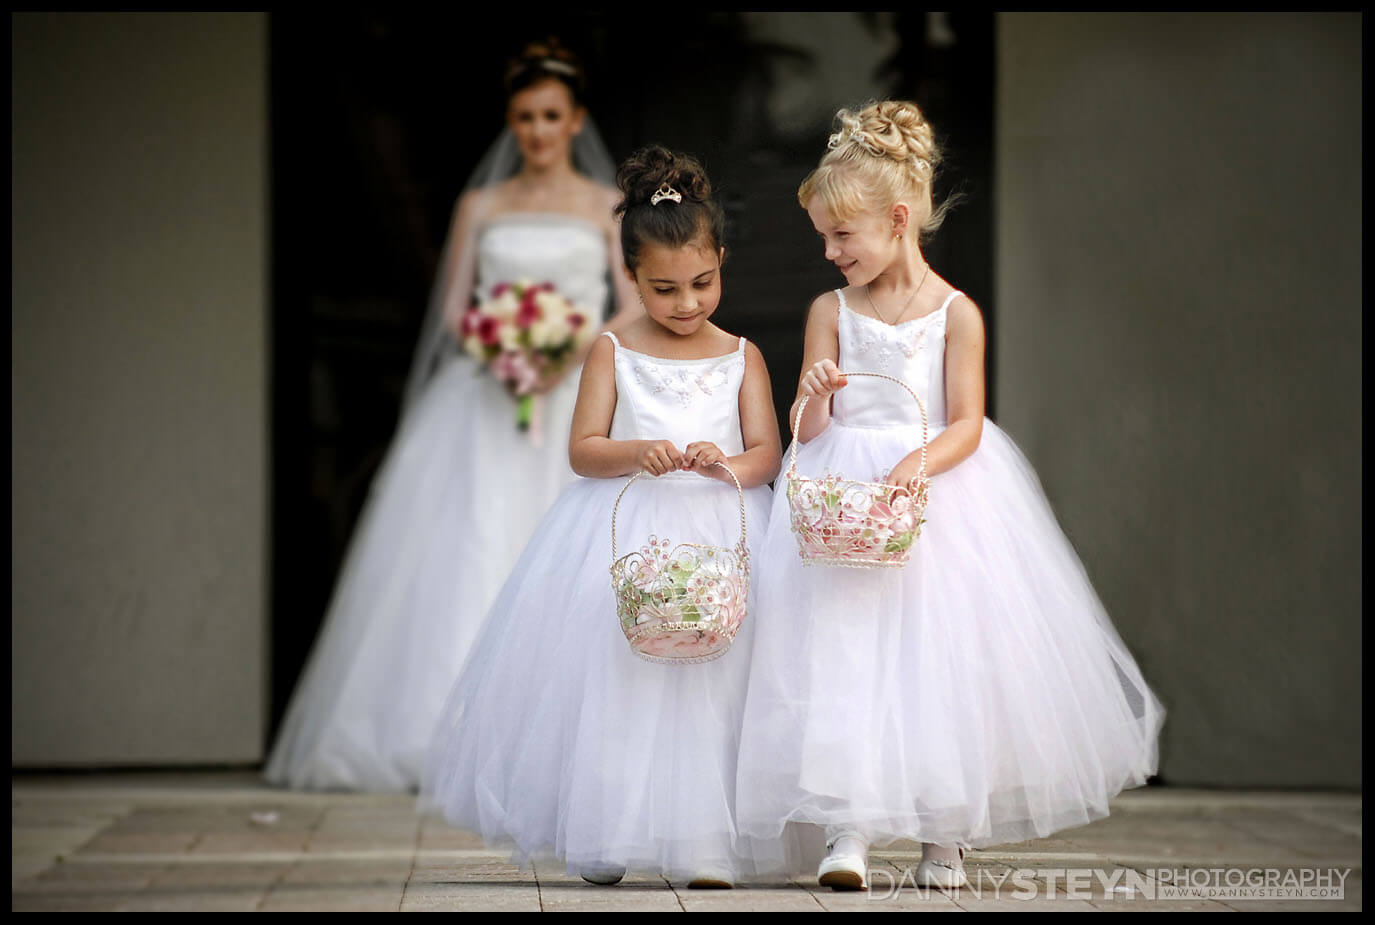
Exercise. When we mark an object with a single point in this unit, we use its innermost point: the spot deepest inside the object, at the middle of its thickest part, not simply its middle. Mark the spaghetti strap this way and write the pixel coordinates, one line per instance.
(741, 348)
(948, 299)
(612, 335)
(840, 294)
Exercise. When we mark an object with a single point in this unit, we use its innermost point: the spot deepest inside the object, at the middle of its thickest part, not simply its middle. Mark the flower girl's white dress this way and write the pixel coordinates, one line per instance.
(558, 739)
(449, 512)
(979, 695)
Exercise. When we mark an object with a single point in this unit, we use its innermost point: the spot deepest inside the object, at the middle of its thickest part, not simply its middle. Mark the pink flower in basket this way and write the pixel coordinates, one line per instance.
(842, 521)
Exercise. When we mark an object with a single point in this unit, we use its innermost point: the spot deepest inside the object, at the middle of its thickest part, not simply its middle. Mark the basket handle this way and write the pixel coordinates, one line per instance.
(740, 493)
(802, 405)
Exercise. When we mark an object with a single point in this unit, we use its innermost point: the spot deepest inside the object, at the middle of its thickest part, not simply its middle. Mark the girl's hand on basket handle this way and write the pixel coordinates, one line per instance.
(823, 378)
(701, 457)
(905, 471)
(660, 456)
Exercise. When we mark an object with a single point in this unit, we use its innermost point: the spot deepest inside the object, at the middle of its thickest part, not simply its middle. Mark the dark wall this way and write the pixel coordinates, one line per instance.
(378, 118)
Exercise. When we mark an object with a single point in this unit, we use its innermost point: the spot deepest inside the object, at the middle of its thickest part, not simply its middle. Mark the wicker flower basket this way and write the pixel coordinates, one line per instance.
(681, 603)
(846, 522)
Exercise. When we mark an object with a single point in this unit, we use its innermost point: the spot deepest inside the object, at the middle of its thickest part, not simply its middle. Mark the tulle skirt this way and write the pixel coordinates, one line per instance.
(450, 510)
(979, 696)
(558, 740)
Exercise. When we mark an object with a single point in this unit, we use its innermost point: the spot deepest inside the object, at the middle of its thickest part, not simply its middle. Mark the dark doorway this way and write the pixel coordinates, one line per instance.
(379, 116)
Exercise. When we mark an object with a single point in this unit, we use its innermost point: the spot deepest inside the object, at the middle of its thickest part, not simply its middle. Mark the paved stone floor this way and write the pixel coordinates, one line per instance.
(225, 841)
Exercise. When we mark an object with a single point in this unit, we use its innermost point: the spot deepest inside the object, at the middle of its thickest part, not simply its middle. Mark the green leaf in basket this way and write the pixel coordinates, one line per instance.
(678, 577)
(899, 542)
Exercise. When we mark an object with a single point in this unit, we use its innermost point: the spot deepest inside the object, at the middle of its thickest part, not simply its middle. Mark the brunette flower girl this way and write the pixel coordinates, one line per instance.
(979, 694)
(557, 738)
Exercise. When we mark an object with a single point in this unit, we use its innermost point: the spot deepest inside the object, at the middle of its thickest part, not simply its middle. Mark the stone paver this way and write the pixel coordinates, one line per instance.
(225, 841)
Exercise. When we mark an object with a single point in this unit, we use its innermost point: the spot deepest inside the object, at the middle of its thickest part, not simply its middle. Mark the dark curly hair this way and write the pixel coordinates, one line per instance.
(673, 224)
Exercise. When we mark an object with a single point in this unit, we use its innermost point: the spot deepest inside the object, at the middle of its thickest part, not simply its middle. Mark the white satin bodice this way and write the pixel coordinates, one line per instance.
(913, 351)
(679, 400)
(541, 247)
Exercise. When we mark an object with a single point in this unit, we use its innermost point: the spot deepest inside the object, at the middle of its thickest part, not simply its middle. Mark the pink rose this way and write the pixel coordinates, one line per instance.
(488, 330)
(529, 312)
(513, 368)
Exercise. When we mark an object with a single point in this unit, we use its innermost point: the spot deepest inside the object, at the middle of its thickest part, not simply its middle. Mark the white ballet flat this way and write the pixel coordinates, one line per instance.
(843, 871)
(942, 873)
(602, 876)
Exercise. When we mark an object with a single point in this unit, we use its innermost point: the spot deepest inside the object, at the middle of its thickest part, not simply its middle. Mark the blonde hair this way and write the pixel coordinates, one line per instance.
(883, 154)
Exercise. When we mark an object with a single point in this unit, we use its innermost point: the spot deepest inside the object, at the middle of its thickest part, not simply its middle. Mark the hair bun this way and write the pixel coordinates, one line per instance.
(892, 129)
(649, 169)
(881, 153)
(545, 58)
(691, 217)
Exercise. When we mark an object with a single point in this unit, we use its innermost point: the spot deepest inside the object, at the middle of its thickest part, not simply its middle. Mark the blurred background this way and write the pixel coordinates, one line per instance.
(225, 228)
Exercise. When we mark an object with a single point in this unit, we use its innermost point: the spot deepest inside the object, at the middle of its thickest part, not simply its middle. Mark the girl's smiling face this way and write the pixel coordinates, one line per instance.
(680, 286)
(861, 247)
(544, 118)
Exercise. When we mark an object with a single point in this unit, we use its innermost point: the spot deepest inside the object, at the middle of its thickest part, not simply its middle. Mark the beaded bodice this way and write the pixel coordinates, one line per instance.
(913, 351)
(679, 400)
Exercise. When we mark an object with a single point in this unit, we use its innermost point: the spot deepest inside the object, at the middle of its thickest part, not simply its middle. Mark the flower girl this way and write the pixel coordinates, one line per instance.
(979, 694)
(558, 738)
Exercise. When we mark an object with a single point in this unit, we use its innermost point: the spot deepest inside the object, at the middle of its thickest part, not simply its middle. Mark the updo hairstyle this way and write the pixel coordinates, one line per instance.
(882, 154)
(542, 60)
(698, 218)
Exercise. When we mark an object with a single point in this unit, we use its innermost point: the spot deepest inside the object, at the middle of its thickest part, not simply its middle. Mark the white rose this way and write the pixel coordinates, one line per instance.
(551, 304)
(504, 306)
(549, 332)
(508, 334)
(542, 335)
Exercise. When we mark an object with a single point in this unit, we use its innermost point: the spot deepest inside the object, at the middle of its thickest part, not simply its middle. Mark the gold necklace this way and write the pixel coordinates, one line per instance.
(903, 310)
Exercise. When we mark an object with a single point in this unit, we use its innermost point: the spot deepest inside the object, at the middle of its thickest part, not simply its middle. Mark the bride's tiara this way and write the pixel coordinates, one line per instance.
(558, 67)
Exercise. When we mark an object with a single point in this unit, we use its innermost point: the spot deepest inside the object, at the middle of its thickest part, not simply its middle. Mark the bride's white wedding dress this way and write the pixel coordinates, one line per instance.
(449, 512)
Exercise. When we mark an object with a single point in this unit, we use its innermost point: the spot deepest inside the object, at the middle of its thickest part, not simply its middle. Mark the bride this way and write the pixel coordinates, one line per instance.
(462, 486)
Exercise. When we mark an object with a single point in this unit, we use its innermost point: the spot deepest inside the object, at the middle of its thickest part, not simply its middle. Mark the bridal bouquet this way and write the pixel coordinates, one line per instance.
(522, 331)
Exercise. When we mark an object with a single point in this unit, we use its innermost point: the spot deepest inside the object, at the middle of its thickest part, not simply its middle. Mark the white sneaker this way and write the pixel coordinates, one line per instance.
(941, 872)
(602, 876)
(846, 866)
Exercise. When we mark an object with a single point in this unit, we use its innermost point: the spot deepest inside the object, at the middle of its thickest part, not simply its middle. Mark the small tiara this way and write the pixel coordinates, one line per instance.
(665, 192)
(558, 67)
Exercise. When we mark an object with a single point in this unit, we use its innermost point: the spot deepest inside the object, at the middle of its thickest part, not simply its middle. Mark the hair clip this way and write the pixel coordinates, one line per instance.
(665, 192)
